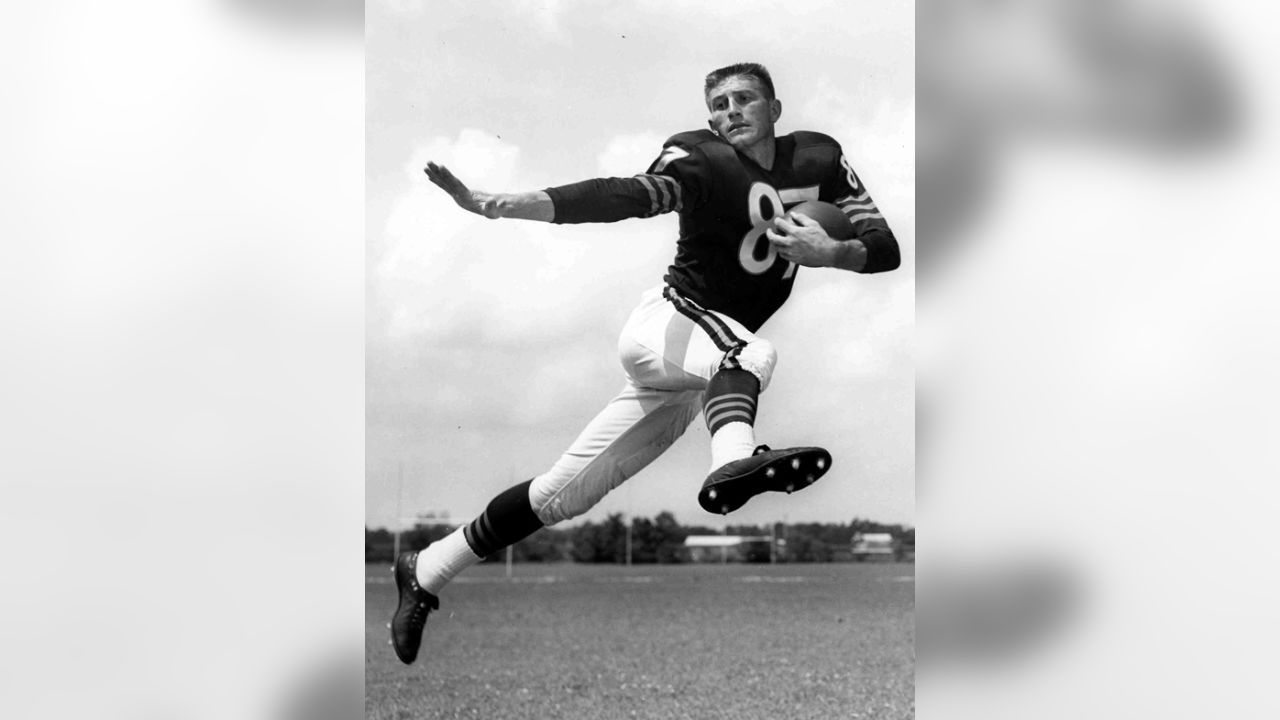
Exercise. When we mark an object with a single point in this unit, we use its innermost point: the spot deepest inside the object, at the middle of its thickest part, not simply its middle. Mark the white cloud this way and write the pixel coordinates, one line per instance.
(865, 323)
(406, 8)
(440, 273)
(554, 379)
(877, 134)
(627, 155)
(543, 15)
(481, 157)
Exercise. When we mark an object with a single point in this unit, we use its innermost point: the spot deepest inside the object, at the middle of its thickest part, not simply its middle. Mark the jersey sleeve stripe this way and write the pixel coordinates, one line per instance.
(653, 193)
(859, 198)
(851, 208)
(673, 188)
(669, 195)
(665, 200)
(865, 216)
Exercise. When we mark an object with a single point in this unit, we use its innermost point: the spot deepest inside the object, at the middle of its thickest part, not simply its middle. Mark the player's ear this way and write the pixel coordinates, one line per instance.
(775, 109)
(711, 124)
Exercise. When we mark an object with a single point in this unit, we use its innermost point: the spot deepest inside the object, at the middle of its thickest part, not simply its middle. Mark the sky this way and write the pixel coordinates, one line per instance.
(490, 344)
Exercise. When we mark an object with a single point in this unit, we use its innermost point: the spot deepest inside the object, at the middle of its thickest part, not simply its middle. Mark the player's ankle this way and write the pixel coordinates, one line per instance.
(442, 560)
(732, 441)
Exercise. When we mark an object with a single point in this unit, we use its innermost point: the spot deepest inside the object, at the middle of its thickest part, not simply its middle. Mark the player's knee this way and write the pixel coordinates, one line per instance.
(557, 496)
(542, 492)
(558, 509)
(759, 357)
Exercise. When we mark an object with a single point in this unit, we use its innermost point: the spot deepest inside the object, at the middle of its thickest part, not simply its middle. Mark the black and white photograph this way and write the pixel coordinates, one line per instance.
(640, 404)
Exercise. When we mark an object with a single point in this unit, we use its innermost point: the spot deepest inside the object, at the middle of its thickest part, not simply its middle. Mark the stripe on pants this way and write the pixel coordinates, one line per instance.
(715, 328)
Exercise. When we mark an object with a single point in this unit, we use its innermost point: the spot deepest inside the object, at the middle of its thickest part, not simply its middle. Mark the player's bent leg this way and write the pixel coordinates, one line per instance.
(738, 367)
(632, 431)
(730, 486)
(672, 342)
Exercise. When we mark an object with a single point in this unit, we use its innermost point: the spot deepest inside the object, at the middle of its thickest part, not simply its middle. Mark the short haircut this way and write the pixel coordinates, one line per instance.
(751, 70)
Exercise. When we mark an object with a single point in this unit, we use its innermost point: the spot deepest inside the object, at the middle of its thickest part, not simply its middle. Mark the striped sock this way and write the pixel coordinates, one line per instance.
(508, 519)
(730, 412)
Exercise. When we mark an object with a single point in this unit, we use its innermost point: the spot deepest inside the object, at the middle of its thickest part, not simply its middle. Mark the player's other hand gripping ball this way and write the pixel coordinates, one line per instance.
(829, 216)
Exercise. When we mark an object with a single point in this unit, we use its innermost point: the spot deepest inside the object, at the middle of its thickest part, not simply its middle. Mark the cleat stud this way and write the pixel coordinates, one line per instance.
(809, 478)
(795, 463)
(821, 463)
(711, 494)
(790, 489)
(770, 472)
(724, 509)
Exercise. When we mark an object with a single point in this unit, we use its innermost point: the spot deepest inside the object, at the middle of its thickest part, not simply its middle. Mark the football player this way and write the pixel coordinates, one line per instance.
(690, 346)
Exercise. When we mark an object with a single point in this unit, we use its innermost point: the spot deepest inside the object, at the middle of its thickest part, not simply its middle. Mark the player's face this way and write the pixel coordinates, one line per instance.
(741, 113)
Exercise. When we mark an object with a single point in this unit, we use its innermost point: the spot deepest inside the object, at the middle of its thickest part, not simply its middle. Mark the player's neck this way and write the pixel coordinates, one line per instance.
(763, 152)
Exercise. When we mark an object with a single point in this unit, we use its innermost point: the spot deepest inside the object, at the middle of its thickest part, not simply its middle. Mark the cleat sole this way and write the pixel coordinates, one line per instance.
(787, 470)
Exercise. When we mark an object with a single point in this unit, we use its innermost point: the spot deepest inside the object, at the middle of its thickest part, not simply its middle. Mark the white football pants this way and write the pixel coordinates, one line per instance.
(669, 353)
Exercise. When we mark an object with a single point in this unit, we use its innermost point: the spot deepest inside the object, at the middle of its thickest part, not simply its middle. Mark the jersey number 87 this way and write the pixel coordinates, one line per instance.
(763, 205)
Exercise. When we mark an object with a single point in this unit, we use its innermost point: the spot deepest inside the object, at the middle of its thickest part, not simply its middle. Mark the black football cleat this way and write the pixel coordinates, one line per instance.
(411, 613)
(788, 470)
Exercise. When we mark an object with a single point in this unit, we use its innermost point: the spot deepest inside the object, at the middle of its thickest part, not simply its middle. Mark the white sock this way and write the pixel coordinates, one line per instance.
(442, 560)
(733, 441)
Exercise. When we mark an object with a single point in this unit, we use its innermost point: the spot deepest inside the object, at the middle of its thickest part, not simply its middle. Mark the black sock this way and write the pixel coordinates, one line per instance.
(507, 520)
(731, 397)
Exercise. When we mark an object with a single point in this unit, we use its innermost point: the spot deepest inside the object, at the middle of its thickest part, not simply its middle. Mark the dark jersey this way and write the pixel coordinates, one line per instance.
(724, 261)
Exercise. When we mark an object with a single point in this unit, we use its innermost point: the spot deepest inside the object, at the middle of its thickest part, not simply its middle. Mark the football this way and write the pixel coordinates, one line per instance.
(829, 216)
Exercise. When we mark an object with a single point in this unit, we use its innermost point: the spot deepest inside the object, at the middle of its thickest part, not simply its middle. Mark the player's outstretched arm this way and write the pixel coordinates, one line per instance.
(534, 205)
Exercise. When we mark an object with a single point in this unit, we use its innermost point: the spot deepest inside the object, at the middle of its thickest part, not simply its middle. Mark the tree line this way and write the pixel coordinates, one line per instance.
(658, 540)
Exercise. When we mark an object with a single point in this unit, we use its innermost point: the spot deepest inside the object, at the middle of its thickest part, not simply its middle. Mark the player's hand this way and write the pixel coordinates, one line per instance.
(802, 240)
(480, 203)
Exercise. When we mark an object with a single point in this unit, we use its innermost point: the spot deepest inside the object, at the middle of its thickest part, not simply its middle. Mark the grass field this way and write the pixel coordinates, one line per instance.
(782, 642)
